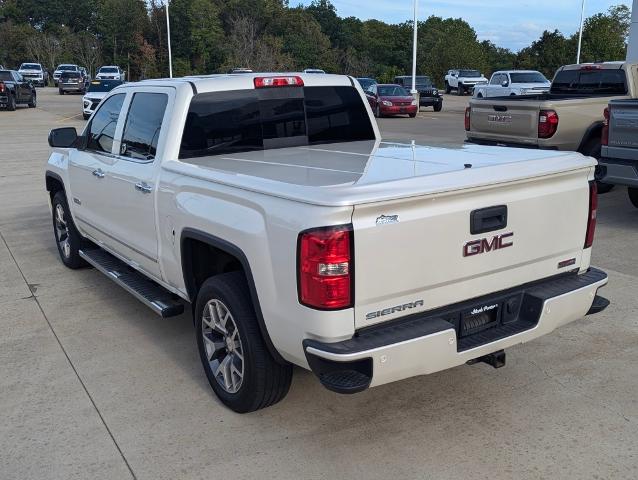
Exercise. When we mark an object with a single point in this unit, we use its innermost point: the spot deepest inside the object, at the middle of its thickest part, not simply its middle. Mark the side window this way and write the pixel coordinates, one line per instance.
(143, 125)
(102, 129)
(495, 79)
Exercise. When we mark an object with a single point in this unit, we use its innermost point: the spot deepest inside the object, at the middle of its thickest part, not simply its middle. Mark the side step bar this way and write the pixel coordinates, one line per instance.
(148, 292)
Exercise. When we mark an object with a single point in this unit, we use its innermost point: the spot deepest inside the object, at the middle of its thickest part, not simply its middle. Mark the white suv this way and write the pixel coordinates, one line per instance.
(463, 80)
(110, 72)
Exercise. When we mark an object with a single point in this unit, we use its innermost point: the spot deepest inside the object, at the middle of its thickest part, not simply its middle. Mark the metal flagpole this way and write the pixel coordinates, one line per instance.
(414, 40)
(580, 32)
(168, 34)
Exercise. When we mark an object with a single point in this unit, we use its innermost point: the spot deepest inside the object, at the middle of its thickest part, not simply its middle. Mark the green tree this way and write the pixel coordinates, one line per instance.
(604, 35)
(551, 51)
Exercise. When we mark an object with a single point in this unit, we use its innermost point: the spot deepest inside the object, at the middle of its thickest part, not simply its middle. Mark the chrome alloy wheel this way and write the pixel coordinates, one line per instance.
(62, 231)
(224, 351)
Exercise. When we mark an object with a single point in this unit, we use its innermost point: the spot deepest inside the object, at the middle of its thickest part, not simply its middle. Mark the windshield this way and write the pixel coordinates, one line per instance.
(258, 119)
(469, 73)
(592, 81)
(6, 77)
(72, 68)
(423, 81)
(392, 91)
(366, 82)
(103, 85)
(108, 70)
(30, 66)
(528, 77)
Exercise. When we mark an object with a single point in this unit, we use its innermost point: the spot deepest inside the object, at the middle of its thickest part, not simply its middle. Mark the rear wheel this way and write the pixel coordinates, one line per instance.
(240, 369)
(67, 237)
(60, 91)
(447, 88)
(11, 105)
(633, 196)
(593, 149)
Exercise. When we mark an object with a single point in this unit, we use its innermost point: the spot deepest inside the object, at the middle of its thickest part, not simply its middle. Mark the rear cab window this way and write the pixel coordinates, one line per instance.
(590, 81)
(262, 119)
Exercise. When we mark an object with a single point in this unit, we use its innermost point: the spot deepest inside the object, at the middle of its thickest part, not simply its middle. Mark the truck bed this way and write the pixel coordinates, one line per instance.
(364, 172)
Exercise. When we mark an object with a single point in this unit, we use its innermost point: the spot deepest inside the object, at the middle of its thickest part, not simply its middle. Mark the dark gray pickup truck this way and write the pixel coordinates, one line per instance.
(15, 90)
(619, 155)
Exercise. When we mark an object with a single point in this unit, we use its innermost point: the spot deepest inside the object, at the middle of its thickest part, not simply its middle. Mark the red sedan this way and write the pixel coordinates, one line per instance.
(390, 99)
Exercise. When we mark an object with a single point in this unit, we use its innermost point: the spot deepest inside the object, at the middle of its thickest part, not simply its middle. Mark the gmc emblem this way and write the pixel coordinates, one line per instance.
(484, 245)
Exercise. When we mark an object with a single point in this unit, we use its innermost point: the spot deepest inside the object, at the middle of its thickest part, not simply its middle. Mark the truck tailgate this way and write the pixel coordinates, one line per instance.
(506, 120)
(418, 254)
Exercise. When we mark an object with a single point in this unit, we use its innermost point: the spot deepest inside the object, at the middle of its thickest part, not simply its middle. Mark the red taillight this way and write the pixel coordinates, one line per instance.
(1, 87)
(547, 123)
(325, 267)
(604, 137)
(591, 220)
(590, 67)
(283, 81)
(468, 116)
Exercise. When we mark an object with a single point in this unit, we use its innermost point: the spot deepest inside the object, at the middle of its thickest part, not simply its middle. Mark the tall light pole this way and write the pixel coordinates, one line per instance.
(414, 40)
(580, 31)
(168, 35)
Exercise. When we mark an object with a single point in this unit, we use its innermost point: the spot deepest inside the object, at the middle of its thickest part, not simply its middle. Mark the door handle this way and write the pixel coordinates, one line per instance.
(143, 187)
(98, 173)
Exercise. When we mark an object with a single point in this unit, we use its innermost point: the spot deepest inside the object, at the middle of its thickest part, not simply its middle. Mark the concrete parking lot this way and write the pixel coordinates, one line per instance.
(94, 386)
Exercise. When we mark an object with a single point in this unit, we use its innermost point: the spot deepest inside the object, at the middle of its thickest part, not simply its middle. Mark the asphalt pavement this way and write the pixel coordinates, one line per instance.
(94, 386)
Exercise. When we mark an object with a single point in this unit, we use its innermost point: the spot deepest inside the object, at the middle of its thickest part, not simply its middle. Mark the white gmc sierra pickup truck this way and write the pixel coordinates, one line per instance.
(270, 204)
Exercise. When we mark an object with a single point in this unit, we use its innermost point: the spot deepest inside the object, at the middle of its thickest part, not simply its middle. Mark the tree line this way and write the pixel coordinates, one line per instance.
(211, 36)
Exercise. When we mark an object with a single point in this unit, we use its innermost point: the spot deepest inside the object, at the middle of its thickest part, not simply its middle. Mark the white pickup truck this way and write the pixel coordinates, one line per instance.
(271, 205)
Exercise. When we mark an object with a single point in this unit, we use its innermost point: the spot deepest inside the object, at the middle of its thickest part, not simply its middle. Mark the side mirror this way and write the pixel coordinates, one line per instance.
(63, 137)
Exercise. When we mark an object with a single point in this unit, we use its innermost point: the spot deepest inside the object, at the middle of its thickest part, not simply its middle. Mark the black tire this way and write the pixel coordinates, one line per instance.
(34, 101)
(459, 91)
(633, 196)
(447, 88)
(438, 107)
(71, 256)
(377, 112)
(11, 105)
(412, 115)
(86, 116)
(593, 148)
(265, 381)
(60, 91)
(479, 95)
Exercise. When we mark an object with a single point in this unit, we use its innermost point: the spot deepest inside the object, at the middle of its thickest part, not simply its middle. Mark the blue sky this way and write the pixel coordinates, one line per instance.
(507, 23)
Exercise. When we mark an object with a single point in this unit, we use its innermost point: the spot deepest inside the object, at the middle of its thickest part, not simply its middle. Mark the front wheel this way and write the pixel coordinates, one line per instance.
(447, 88)
(633, 196)
(377, 112)
(438, 107)
(459, 91)
(86, 116)
(412, 115)
(34, 101)
(60, 91)
(67, 237)
(240, 369)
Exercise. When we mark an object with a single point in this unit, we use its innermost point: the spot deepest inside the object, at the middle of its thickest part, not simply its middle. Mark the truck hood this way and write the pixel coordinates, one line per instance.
(95, 95)
(364, 172)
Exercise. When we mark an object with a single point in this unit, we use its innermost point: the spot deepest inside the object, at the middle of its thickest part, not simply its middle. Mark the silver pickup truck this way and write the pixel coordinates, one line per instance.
(270, 203)
(619, 161)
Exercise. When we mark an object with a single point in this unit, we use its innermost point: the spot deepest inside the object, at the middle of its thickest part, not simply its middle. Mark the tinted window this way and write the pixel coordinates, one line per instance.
(366, 82)
(103, 85)
(70, 75)
(102, 129)
(6, 76)
(528, 77)
(67, 67)
(581, 82)
(108, 70)
(143, 125)
(239, 121)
